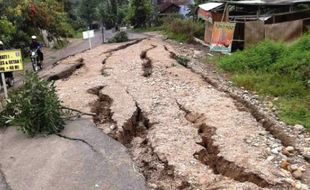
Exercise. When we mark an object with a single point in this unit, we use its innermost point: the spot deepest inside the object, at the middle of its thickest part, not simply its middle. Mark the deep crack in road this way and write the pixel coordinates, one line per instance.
(199, 141)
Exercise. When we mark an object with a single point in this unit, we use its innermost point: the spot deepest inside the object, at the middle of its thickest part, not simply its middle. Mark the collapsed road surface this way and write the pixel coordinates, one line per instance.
(181, 132)
(80, 158)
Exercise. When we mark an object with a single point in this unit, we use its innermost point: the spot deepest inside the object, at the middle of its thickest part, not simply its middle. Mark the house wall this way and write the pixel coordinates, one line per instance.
(285, 17)
(249, 33)
(172, 9)
(280, 27)
(306, 25)
(284, 31)
(254, 32)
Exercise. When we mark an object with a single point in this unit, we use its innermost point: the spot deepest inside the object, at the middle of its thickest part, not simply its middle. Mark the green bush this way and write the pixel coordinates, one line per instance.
(119, 37)
(183, 30)
(258, 58)
(279, 70)
(295, 63)
(35, 108)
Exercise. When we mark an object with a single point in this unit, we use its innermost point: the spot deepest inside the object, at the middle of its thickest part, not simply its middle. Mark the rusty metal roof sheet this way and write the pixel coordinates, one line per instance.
(265, 2)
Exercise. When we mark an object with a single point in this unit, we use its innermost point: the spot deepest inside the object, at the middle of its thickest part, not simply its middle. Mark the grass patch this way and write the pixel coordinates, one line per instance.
(276, 70)
(295, 110)
(26, 60)
(78, 34)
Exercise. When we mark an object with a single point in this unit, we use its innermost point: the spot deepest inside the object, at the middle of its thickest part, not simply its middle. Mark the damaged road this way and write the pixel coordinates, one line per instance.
(181, 131)
(79, 158)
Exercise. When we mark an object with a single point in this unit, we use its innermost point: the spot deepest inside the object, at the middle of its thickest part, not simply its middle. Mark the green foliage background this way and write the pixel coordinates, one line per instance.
(20, 19)
(139, 12)
(277, 70)
(183, 30)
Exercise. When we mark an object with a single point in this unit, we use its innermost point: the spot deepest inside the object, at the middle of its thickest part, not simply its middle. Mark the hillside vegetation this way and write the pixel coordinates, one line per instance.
(276, 70)
(182, 30)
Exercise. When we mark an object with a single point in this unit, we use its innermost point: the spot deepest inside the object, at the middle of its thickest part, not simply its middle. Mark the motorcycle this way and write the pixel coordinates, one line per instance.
(9, 80)
(36, 61)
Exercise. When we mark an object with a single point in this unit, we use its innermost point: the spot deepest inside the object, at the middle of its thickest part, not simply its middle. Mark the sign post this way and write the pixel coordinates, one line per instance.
(89, 41)
(4, 86)
(88, 35)
(10, 61)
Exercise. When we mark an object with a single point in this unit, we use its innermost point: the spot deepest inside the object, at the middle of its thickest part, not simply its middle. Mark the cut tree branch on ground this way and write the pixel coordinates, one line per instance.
(78, 111)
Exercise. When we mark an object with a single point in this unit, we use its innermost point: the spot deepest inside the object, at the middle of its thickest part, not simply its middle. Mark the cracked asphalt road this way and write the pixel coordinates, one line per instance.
(177, 144)
(76, 46)
(82, 158)
(181, 131)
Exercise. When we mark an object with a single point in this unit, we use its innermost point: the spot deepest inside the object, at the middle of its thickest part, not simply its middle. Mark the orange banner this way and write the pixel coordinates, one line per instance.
(222, 36)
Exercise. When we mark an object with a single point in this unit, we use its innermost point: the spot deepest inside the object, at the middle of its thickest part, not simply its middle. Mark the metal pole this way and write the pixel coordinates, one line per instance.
(4, 86)
(103, 35)
(224, 13)
(102, 32)
(89, 40)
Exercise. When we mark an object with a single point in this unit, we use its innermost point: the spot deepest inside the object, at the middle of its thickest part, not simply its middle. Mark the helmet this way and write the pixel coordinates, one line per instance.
(33, 37)
(1, 43)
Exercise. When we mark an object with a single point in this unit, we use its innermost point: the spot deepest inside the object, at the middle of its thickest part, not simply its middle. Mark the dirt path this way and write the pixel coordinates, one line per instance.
(182, 132)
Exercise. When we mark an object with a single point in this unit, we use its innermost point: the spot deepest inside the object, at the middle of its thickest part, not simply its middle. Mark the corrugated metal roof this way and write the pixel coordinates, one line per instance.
(209, 6)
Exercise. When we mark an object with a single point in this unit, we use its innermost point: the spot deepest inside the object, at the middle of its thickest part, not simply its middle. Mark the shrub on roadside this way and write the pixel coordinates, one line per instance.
(183, 30)
(182, 60)
(119, 37)
(35, 108)
(295, 63)
(278, 70)
(258, 58)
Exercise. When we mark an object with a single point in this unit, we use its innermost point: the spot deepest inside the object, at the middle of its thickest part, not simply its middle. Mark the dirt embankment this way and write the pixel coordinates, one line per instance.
(182, 131)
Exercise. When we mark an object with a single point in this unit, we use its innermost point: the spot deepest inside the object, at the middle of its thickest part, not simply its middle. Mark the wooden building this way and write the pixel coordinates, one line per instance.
(256, 20)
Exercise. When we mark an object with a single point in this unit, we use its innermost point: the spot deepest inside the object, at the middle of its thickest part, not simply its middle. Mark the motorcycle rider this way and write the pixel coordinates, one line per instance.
(35, 45)
(8, 75)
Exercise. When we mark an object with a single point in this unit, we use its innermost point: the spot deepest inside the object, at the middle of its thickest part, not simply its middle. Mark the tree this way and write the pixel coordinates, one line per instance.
(6, 30)
(112, 12)
(88, 11)
(140, 12)
(107, 16)
(19, 19)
